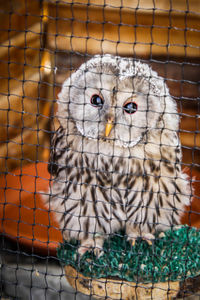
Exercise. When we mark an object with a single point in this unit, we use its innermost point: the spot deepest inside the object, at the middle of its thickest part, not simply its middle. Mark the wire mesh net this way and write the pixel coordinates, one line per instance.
(99, 149)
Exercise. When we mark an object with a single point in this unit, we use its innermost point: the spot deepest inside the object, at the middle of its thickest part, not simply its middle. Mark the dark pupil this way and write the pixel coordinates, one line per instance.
(130, 107)
(96, 100)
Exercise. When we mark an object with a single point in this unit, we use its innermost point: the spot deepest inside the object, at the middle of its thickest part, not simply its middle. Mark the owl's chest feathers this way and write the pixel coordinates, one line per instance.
(118, 181)
(115, 188)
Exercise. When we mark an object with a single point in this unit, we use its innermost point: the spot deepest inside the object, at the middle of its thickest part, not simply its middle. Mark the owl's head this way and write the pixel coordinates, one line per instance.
(117, 99)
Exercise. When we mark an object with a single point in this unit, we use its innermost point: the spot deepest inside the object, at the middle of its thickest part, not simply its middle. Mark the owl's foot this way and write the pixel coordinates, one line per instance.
(95, 245)
(148, 237)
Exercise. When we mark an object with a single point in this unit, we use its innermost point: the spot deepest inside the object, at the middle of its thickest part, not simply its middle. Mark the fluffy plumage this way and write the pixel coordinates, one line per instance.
(129, 177)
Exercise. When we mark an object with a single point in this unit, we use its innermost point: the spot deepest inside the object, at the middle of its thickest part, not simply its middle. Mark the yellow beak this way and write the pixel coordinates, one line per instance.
(109, 126)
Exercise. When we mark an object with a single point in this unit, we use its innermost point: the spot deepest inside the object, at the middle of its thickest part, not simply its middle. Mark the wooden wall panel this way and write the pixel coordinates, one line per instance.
(16, 16)
(109, 29)
(23, 92)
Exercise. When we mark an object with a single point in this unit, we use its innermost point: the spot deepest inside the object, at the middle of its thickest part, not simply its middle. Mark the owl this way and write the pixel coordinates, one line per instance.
(116, 157)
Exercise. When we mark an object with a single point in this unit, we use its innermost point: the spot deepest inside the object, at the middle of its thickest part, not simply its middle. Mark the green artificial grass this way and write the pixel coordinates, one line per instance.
(174, 255)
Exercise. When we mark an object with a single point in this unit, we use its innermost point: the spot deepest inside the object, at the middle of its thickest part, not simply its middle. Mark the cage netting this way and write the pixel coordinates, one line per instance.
(99, 149)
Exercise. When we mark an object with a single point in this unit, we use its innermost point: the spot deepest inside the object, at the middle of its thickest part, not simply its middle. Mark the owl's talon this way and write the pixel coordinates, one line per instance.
(98, 252)
(132, 240)
(149, 238)
(149, 242)
(133, 243)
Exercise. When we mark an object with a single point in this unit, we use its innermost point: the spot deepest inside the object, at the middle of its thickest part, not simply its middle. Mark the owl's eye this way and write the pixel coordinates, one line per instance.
(130, 107)
(96, 101)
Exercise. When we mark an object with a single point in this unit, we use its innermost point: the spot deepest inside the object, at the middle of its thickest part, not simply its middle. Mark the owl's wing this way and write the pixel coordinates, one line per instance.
(56, 151)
